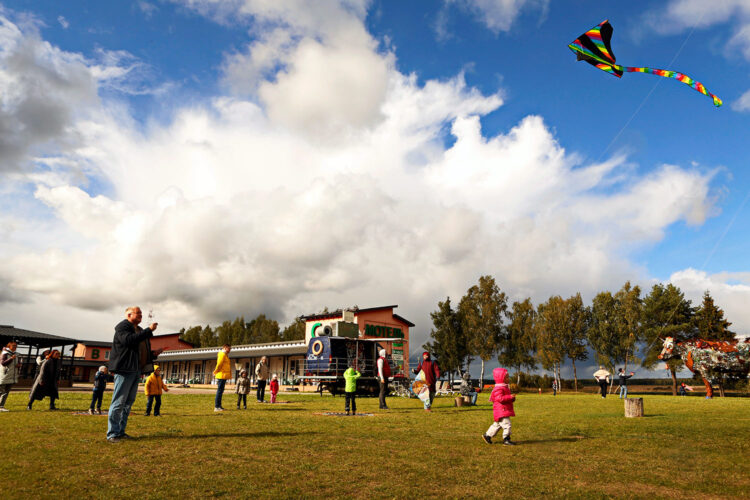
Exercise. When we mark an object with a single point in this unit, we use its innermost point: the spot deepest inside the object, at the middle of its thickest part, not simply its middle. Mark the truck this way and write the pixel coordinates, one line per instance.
(328, 358)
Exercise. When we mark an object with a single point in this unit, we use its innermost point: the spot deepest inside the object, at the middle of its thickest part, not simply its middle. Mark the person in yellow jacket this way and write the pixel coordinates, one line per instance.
(222, 372)
(153, 388)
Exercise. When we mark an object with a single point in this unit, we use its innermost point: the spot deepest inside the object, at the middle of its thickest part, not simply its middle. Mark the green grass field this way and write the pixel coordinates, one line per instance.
(569, 446)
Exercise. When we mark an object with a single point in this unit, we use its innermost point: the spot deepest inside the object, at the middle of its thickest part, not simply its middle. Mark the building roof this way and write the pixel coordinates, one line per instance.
(100, 343)
(32, 338)
(239, 351)
(340, 312)
(95, 343)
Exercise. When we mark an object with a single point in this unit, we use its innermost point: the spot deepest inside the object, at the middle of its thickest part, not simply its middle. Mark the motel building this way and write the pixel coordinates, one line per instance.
(286, 359)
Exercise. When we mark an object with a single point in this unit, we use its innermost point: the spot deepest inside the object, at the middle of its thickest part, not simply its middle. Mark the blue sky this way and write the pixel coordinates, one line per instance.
(210, 159)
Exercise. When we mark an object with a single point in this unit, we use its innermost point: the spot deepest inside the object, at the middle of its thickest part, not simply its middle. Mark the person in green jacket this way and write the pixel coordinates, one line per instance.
(350, 390)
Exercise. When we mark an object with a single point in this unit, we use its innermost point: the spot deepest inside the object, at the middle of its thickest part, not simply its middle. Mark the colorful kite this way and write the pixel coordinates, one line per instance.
(593, 47)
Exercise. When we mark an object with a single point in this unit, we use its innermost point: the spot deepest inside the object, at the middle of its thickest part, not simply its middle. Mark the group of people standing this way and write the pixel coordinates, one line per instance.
(45, 382)
(223, 372)
(602, 378)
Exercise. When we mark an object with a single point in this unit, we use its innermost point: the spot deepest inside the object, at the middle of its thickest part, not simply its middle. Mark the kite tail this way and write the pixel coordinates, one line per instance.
(677, 75)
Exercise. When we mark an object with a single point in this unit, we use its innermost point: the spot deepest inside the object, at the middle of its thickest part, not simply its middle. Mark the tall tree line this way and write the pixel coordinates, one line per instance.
(621, 328)
(260, 330)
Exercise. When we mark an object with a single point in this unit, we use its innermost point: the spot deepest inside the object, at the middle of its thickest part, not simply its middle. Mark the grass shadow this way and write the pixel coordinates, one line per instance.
(571, 439)
(166, 435)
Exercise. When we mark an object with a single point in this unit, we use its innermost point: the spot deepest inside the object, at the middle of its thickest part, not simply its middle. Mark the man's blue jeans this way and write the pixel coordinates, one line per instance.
(123, 396)
(474, 396)
(220, 383)
(623, 391)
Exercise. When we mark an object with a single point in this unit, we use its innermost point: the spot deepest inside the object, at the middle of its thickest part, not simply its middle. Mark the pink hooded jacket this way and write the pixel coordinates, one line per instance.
(501, 396)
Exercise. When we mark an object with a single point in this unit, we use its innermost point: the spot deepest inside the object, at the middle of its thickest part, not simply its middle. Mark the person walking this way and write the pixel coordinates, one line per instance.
(241, 388)
(9, 366)
(502, 408)
(100, 384)
(261, 376)
(222, 372)
(623, 380)
(45, 384)
(431, 372)
(383, 372)
(131, 356)
(153, 390)
(554, 387)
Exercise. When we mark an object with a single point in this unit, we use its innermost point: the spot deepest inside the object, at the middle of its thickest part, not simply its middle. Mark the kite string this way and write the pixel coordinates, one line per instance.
(637, 110)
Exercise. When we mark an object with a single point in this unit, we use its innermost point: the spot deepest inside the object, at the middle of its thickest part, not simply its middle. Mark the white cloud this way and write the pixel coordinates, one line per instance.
(499, 15)
(743, 103)
(731, 292)
(236, 205)
(679, 15)
(63, 22)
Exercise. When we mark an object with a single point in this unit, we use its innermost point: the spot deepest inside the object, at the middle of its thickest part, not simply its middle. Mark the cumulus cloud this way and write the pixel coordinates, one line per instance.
(235, 206)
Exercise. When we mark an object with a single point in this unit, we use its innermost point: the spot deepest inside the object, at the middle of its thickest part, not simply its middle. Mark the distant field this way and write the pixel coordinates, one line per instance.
(569, 446)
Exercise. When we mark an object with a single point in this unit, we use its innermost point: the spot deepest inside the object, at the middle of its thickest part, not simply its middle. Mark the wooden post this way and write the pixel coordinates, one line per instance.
(633, 407)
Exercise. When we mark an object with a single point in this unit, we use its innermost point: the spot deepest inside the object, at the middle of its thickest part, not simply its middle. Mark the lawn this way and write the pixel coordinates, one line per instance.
(568, 446)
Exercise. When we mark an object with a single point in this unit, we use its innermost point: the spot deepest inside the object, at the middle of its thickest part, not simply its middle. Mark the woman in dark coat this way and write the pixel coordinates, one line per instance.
(46, 382)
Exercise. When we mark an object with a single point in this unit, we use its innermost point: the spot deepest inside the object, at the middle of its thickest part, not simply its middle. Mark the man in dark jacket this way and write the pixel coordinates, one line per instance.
(131, 356)
(623, 379)
(431, 375)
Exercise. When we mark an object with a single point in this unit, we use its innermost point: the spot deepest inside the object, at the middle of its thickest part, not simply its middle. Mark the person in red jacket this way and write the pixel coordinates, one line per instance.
(502, 407)
(274, 387)
(431, 375)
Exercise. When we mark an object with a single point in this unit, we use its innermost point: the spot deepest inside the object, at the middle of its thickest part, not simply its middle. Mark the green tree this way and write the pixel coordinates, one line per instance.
(603, 334)
(629, 312)
(549, 329)
(666, 313)
(294, 330)
(710, 322)
(263, 330)
(577, 320)
(208, 337)
(191, 335)
(482, 310)
(224, 333)
(518, 347)
(449, 342)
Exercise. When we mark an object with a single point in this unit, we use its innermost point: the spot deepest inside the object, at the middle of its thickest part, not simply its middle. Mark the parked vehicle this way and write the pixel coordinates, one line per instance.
(329, 357)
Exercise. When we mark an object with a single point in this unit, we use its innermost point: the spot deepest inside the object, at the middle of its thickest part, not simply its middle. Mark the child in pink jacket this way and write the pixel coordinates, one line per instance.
(502, 408)
(274, 387)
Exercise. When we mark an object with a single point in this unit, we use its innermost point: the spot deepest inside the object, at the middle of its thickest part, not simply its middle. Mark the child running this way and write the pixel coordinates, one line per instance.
(154, 386)
(502, 407)
(242, 388)
(100, 383)
(274, 387)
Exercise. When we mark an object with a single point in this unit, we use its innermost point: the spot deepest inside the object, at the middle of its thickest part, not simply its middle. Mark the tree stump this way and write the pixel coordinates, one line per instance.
(460, 401)
(633, 407)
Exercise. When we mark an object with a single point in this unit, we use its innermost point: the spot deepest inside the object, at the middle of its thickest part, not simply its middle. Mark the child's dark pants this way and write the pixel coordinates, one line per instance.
(150, 401)
(243, 398)
(96, 398)
(351, 396)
